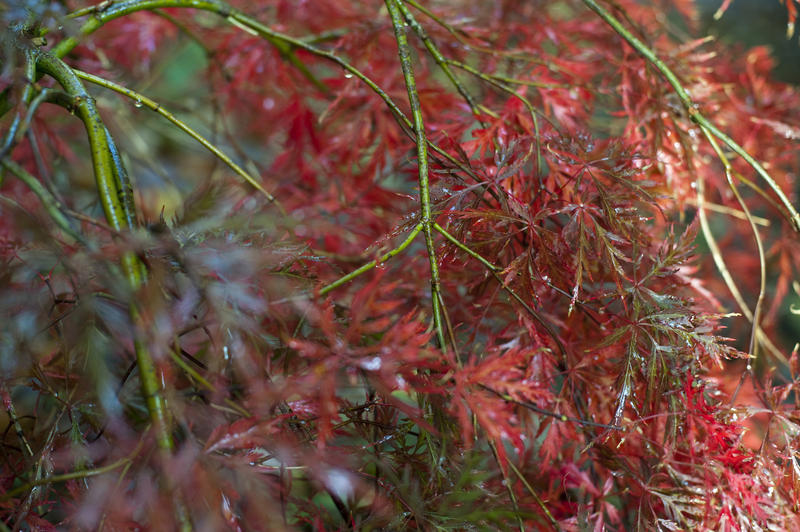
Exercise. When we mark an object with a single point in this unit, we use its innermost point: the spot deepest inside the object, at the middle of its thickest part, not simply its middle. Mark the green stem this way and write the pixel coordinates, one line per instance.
(120, 213)
(445, 63)
(141, 99)
(368, 266)
(506, 79)
(438, 57)
(51, 204)
(117, 205)
(27, 95)
(756, 315)
(54, 96)
(453, 240)
(506, 481)
(536, 497)
(691, 107)
(759, 246)
(12, 416)
(63, 478)
(122, 180)
(400, 30)
(176, 358)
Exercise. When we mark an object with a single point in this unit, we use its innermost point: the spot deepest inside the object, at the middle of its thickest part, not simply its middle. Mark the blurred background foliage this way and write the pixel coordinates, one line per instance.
(749, 23)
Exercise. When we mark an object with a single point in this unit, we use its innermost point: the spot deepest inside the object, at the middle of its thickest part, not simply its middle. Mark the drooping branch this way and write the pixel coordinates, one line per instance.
(64, 477)
(116, 198)
(692, 109)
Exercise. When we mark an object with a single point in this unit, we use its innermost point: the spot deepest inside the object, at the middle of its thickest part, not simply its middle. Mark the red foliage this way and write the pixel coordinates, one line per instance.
(563, 368)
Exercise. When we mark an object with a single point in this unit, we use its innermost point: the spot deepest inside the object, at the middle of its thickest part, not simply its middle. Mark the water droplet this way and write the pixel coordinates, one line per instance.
(348, 75)
(138, 104)
(338, 482)
(371, 364)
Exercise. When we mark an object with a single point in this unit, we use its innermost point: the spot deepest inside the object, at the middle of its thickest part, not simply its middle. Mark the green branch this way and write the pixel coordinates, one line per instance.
(74, 475)
(51, 204)
(117, 202)
(372, 264)
(27, 95)
(691, 107)
(120, 213)
(438, 57)
(426, 221)
(536, 497)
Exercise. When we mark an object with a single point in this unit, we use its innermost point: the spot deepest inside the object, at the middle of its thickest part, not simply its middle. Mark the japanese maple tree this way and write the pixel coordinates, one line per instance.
(388, 265)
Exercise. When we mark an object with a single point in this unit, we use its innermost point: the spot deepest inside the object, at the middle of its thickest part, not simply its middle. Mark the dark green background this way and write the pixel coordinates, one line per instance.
(756, 22)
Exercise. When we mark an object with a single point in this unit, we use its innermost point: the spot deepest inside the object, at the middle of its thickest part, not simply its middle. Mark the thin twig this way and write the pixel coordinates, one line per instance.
(506, 481)
(535, 495)
(724, 209)
(756, 318)
(373, 263)
(142, 100)
(439, 58)
(176, 358)
(50, 203)
(12, 416)
(549, 413)
(63, 478)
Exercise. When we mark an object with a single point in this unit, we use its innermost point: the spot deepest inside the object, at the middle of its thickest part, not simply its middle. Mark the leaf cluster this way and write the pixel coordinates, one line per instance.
(391, 265)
